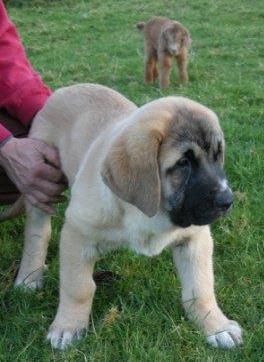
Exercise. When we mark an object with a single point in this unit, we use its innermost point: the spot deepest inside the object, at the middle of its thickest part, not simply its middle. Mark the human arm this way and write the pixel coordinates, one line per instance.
(31, 164)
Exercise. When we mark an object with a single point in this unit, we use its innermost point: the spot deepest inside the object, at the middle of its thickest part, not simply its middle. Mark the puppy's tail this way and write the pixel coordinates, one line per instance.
(141, 25)
(14, 210)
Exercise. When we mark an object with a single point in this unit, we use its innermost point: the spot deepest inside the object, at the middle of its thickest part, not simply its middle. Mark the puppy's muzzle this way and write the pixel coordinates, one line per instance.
(174, 50)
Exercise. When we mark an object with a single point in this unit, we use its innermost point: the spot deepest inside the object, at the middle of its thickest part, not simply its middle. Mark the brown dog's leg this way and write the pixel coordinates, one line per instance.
(77, 289)
(165, 63)
(37, 235)
(149, 69)
(182, 66)
(193, 260)
(155, 70)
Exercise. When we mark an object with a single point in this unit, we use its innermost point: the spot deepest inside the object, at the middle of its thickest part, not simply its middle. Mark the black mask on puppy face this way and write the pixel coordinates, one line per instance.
(201, 193)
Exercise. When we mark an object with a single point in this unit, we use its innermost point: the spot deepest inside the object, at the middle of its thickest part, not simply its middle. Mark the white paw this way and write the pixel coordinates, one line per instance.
(26, 284)
(229, 337)
(32, 281)
(61, 339)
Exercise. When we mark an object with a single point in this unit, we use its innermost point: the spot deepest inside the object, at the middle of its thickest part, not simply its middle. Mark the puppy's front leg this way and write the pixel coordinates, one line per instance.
(150, 67)
(182, 60)
(165, 64)
(193, 260)
(155, 70)
(37, 235)
(76, 289)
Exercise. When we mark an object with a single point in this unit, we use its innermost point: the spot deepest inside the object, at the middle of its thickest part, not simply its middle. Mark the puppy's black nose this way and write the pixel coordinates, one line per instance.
(224, 199)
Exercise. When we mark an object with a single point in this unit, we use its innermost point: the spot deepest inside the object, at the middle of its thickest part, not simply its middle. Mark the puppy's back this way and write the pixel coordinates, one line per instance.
(152, 30)
(74, 117)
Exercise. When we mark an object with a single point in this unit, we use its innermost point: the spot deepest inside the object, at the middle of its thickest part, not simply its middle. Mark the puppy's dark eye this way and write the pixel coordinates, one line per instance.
(218, 154)
(183, 162)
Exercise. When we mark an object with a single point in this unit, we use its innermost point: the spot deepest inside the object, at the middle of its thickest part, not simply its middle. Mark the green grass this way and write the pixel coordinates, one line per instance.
(139, 317)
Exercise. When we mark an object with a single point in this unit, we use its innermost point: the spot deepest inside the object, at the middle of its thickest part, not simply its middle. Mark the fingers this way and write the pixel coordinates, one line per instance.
(47, 183)
(44, 207)
(49, 173)
(40, 200)
(50, 189)
(51, 155)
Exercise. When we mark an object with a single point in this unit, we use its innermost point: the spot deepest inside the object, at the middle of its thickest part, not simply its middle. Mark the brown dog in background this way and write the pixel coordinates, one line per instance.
(164, 40)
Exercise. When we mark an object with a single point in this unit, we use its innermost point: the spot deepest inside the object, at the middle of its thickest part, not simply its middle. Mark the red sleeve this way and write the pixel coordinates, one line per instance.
(22, 91)
(4, 133)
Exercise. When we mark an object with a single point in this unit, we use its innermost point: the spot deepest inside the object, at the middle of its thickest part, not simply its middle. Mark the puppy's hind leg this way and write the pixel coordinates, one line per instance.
(77, 289)
(193, 260)
(37, 235)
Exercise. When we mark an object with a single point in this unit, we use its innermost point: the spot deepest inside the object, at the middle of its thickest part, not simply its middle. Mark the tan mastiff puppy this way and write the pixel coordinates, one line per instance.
(144, 178)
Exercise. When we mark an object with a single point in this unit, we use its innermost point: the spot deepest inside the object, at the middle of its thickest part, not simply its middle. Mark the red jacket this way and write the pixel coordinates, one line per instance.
(22, 91)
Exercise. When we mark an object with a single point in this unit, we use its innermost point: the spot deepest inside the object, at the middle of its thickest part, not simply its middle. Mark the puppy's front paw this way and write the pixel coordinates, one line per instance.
(229, 337)
(62, 338)
(30, 280)
(29, 285)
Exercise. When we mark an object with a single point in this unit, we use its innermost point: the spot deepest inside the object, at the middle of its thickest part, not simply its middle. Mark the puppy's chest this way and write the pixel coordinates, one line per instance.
(147, 236)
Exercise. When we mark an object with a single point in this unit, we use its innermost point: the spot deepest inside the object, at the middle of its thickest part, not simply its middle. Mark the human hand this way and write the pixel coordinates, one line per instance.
(34, 167)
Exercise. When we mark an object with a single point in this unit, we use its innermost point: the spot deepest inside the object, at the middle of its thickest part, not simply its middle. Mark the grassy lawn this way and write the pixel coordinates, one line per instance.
(139, 317)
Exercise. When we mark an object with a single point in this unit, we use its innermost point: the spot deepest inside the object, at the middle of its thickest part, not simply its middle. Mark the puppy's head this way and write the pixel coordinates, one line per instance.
(170, 157)
(174, 37)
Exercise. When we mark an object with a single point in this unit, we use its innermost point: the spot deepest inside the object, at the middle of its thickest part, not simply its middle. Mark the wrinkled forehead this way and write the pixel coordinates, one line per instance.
(202, 132)
(174, 31)
(195, 123)
(199, 132)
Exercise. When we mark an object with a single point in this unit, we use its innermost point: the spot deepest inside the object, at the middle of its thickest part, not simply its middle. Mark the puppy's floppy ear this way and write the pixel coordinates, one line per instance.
(186, 40)
(164, 36)
(165, 33)
(131, 168)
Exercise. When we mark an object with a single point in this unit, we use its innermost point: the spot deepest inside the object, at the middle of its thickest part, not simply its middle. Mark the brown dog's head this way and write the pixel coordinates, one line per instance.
(170, 156)
(174, 37)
